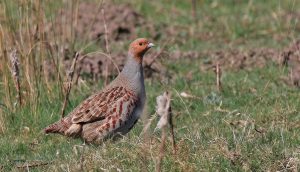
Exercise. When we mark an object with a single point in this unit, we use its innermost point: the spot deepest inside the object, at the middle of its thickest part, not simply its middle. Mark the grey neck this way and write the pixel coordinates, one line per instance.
(132, 67)
(133, 72)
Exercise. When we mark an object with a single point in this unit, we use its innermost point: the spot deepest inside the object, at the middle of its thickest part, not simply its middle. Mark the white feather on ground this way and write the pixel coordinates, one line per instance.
(162, 110)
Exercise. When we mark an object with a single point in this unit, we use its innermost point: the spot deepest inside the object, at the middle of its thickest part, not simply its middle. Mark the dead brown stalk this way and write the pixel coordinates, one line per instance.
(32, 164)
(82, 158)
(172, 130)
(164, 110)
(194, 10)
(69, 83)
(161, 150)
(56, 66)
(218, 73)
(106, 47)
(15, 70)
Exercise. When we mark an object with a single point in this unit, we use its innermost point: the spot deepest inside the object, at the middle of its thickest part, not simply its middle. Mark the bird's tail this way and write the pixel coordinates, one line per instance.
(59, 127)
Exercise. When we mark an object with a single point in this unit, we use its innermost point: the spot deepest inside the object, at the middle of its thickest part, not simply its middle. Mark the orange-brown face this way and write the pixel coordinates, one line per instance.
(139, 47)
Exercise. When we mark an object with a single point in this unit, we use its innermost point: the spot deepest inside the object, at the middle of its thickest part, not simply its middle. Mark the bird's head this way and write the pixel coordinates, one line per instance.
(139, 47)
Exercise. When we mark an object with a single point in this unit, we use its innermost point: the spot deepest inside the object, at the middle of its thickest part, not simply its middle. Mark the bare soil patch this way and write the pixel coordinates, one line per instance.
(234, 59)
(123, 22)
(87, 22)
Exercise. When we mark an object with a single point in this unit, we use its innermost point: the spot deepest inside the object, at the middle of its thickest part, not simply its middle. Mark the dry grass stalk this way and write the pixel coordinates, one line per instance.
(7, 89)
(80, 150)
(218, 73)
(194, 10)
(161, 150)
(78, 74)
(2, 122)
(163, 109)
(162, 49)
(106, 47)
(82, 158)
(69, 83)
(15, 70)
(146, 130)
(47, 74)
(32, 164)
(172, 130)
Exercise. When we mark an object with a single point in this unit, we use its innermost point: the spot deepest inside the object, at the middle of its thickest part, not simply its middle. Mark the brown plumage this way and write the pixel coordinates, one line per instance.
(115, 109)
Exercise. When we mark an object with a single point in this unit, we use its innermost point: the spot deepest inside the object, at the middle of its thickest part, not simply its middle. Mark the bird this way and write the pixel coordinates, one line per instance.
(115, 109)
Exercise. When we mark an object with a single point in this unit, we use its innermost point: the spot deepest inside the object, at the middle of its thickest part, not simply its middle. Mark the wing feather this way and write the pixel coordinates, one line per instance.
(101, 105)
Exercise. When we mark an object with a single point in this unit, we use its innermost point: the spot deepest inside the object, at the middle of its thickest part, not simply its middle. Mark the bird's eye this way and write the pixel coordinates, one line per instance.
(140, 44)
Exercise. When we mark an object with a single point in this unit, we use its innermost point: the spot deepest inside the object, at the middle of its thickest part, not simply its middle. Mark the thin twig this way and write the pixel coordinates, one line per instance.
(106, 46)
(194, 10)
(163, 47)
(51, 51)
(33, 164)
(218, 73)
(163, 109)
(82, 157)
(56, 67)
(106, 32)
(145, 132)
(183, 102)
(172, 130)
(69, 84)
(15, 70)
(78, 74)
(104, 54)
(161, 150)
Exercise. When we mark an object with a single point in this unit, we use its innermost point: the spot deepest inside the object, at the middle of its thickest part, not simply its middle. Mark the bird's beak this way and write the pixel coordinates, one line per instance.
(150, 45)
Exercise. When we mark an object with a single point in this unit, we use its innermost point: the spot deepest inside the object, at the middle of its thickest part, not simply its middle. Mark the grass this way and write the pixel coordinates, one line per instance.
(252, 125)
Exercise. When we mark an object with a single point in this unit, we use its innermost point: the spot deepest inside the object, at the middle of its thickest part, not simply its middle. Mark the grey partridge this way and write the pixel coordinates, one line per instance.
(113, 110)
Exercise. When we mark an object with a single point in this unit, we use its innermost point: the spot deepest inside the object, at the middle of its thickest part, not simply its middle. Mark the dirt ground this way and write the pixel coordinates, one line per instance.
(122, 22)
(234, 59)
